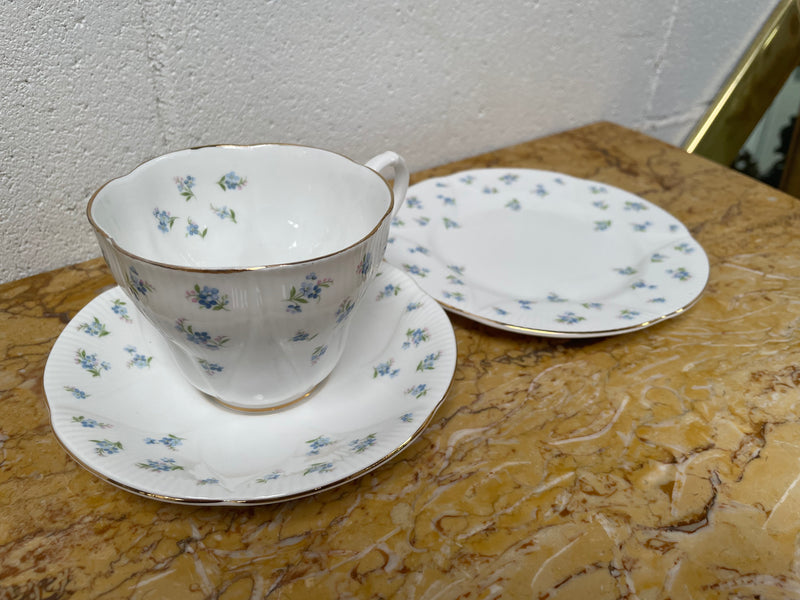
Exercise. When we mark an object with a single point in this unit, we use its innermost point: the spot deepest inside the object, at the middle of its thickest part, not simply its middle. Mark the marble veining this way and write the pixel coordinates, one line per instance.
(663, 463)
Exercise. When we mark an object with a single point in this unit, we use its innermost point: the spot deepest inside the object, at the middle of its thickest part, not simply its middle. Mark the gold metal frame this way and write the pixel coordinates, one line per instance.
(751, 88)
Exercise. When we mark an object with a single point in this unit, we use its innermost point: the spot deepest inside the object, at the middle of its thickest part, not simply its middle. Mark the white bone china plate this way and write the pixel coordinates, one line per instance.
(547, 254)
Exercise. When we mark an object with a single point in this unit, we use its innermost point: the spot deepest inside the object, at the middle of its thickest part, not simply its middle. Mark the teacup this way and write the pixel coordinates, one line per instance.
(250, 260)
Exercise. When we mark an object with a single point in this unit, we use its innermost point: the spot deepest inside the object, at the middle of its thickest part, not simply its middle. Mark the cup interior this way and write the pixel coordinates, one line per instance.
(233, 207)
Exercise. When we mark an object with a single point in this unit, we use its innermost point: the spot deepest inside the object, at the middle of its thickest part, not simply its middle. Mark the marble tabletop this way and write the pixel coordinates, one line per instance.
(662, 463)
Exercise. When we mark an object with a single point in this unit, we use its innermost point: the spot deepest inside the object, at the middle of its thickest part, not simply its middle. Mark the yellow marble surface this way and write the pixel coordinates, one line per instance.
(659, 464)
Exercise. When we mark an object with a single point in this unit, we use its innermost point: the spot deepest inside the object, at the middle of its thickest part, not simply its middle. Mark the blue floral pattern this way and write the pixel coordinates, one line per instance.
(389, 290)
(208, 297)
(120, 308)
(224, 213)
(161, 465)
(310, 289)
(365, 265)
(164, 220)
(385, 368)
(210, 368)
(138, 360)
(231, 181)
(90, 363)
(170, 441)
(185, 185)
(201, 338)
(77, 393)
(318, 353)
(414, 337)
(106, 447)
(95, 328)
(90, 423)
(193, 229)
(138, 286)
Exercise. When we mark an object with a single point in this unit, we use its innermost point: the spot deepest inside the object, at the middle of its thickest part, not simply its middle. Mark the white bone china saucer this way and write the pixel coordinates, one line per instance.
(120, 410)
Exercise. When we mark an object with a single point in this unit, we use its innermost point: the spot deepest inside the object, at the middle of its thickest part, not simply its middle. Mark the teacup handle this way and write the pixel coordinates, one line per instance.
(391, 159)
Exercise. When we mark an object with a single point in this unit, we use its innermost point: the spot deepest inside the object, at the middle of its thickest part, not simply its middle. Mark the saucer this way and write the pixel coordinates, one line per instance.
(121, 411)
(543, 253)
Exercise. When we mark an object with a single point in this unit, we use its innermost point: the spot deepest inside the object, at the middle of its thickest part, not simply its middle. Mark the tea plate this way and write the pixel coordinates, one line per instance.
(119, 408)
(543, 253)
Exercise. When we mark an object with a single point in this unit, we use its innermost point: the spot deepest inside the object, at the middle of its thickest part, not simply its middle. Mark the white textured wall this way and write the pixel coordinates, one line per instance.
(90, 89)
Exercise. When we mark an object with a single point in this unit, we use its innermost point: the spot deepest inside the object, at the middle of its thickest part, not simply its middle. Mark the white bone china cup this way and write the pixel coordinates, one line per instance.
(249, 260)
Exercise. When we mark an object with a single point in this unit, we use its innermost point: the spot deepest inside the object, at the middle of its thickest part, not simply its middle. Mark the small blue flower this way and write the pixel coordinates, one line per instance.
(162, 465)
(90, 363)
(680, 273)
(525, 304)
(450, 223)
(416, 270)
(360, 445)
(170, 441)
(365, 265)
(77, 393)
(90, 423)
(628, 314)
(318, 352)
(323, 467)
(602, 225)
(95, 328)
(509, 178)
(429, 362)
(413, 202)
(106, 447)
(456, 269)
(165, 221)
(416, 337)
(344, 310)
(208, 297)
(570, 318)
(118, 308)
(457, 296)
(223, 212)
(193, 229)
(418, 391)
(302, 336)
(317, 444)
(385, 368)
(231, 181)
(210, 368)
